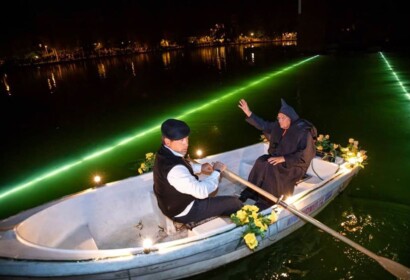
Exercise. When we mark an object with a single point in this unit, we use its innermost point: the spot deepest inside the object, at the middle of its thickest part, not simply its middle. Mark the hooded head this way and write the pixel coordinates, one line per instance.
(288, 111)
(175, 129)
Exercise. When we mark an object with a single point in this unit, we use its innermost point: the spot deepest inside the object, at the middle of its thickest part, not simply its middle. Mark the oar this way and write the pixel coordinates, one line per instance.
(398, 270)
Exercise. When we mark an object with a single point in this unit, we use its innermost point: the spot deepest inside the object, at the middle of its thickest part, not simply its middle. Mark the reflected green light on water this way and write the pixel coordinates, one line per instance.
(395, 75)
(152, 129)
(41, 178)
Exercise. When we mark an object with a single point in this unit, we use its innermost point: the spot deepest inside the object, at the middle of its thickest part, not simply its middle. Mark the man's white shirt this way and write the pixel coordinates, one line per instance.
(182, 180)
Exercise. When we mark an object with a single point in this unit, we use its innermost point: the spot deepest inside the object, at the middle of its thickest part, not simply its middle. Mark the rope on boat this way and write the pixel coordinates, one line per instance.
(313, 169)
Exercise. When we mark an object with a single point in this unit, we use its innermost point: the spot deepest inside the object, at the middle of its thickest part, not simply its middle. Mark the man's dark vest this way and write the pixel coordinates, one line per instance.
(170, 201)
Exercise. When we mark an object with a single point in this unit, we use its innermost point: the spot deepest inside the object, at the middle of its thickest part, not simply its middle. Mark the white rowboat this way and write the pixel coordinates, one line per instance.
(99, 232)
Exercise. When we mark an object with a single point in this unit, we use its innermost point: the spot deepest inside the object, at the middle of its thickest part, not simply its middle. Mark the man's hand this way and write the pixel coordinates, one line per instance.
(206, 168)
(220, 166)
(276, 160)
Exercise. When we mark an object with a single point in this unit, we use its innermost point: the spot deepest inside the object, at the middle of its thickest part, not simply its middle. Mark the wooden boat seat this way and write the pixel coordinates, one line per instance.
(80, 239)
(322, 169)
(245, 168)
(210, 227)
(166, 223)
(205, 226)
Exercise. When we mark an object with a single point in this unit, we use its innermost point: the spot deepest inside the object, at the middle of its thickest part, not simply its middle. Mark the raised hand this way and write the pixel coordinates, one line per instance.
(244, 107)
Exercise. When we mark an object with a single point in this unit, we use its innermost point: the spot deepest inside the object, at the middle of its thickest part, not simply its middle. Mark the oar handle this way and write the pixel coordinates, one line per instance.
(394, 268)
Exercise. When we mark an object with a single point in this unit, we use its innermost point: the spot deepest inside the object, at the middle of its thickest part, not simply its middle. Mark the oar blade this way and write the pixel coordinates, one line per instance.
(398, 270)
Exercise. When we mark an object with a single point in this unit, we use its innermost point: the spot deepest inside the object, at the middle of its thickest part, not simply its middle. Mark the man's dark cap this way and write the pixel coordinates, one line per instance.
(175, 129)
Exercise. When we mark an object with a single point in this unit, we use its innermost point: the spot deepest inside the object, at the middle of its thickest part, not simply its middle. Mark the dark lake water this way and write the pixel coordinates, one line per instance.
(59, 115)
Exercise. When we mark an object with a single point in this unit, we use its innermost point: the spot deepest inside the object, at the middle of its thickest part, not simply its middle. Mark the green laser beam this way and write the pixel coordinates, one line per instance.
(152, 129)
(395, 75)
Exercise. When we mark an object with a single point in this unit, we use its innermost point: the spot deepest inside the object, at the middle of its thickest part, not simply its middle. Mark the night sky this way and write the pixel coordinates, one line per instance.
(65, 24)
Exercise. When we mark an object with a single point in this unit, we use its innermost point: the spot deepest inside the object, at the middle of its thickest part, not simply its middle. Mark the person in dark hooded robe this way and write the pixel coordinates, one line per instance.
(291, 149)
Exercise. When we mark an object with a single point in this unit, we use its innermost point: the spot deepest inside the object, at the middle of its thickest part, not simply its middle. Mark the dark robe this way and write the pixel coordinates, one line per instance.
(296, 145)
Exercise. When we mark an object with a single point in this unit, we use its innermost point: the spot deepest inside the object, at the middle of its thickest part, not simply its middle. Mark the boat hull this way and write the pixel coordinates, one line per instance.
(175, 259)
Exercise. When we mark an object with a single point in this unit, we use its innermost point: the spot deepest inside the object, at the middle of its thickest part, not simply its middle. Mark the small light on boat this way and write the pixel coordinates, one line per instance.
(352, 161)
(97, 179)
(146, 244)
(199, 153)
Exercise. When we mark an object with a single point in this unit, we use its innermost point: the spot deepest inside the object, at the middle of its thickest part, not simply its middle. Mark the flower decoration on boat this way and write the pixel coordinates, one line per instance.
(256, 223)
(331, 151)
(353, 154)
(326, 149)
(147, 164)
(264, 139)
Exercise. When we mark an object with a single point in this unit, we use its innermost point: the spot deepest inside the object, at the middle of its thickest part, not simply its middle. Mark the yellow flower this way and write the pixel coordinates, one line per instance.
(148, 164)
(251, 208)
(273, 217)
(353, 154)
(242, 216)
(260, 225)
(264, 139)
(333, 152)
(251, 241)
(254, 215)
(255, 223)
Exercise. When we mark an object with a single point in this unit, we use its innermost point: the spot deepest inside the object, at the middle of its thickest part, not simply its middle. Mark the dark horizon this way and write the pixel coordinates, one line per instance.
(74, 23)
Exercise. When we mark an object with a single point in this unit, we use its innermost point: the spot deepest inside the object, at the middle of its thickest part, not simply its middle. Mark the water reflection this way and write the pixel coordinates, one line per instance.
(212, 56)
(52, 85)
(216, 57)
(251, 59)
(53, 74)
(362, 228)
(166, 59)
(286, 43)
(220, 58)
(101, 71)
(352, 223)
(133, 69)
(6, 84)
(359, 225)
